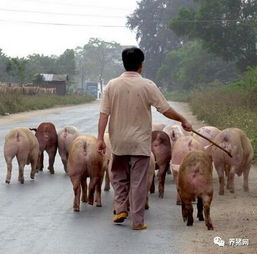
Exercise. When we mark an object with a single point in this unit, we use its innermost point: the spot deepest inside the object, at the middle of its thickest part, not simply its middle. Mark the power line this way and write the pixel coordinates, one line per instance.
(60, 13)
(58, 24)
(77, 5)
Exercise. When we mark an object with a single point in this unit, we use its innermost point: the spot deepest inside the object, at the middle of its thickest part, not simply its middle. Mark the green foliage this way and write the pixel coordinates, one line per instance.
(98, 60)
(178, 95)
(13, 103)
(226, 27)
(150, 22)
(191, 66)
(234, 105)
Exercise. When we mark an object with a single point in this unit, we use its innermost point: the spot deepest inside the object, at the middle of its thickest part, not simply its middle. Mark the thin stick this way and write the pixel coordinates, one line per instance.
(197, 133)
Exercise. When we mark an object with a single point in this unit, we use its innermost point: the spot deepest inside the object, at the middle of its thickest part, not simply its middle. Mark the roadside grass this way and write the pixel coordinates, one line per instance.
(178, 95)
(227, 107)
(14, 103)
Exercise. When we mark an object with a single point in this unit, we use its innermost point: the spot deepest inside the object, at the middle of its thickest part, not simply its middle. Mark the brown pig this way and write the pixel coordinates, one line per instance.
(195, 180)
(161, 149)
(48, 141)
(23, 144)
(85, 161)
(108, 157)
(65, 137)
(236, 142)
(182, 146)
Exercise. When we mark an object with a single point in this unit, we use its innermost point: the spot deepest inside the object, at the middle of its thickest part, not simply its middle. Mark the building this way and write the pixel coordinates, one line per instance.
(58, 81)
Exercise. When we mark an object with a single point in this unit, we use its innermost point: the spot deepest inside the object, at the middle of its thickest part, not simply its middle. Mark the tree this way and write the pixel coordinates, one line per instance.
(66, 62)
(15, 68)
(150, 22)
(191, 65)
(226, 27)
(98, 60)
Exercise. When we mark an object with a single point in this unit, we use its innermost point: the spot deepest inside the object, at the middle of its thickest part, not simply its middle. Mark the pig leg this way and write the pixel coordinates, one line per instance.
(33, 168)
(21, 171)
(152, 188)
(107, 181)
(184, 211)
(51, 154)
(206, 204)
(220, 172)
(84, 190)
(200, 209)
(189, 208)
(231, 175)
(64, 162)
(178, 199)
(161, 177)
(246, 173)
(91, 192)
(98, 191)
(9, 170)
(41, 161)
(76, 182)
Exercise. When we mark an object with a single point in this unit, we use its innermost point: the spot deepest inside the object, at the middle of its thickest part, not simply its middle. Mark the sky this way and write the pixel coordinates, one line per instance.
(49, 27)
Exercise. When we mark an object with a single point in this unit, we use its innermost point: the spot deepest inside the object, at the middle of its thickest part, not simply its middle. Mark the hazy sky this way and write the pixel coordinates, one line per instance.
(51, 26)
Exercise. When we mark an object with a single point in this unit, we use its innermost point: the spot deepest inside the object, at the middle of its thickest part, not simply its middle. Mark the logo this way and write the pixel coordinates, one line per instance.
(217, 240)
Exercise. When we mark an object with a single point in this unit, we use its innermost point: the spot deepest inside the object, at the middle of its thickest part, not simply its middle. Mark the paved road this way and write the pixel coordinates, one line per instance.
(37, 217)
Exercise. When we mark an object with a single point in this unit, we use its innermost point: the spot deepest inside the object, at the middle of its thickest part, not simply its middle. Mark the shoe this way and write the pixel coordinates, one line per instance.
(120, 217)
(141, 227)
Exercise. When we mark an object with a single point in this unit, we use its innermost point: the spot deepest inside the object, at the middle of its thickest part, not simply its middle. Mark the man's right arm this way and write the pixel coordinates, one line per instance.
(160, 103)
(172, 114)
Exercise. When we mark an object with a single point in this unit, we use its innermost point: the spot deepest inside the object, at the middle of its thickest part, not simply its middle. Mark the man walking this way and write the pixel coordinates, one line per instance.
(127, 101)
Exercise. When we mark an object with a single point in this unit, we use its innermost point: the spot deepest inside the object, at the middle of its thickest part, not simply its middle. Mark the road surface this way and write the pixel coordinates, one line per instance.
(37, 217)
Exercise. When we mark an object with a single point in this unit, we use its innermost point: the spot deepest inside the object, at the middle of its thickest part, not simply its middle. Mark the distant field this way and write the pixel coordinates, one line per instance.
(14, 103)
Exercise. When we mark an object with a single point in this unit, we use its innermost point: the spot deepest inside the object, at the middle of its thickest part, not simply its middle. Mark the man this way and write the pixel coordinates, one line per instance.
(127, 100)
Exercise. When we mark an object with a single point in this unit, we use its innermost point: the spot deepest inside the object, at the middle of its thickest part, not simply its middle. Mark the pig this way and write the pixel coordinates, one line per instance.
(48, 141)
(174, 132)
(23, 144)
(237, 143)
(85, 161)
(208, 131)
(195, 180)
(65, 137)
(157, 126)
(161, 149)
(108, 155)
(182, 146)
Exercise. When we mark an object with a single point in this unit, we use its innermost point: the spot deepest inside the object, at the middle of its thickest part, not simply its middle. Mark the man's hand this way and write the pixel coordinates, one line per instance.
(186, 125)
(101, 146)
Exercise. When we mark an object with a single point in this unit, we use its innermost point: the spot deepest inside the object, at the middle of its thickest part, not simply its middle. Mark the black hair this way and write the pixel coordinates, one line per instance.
(132, 58)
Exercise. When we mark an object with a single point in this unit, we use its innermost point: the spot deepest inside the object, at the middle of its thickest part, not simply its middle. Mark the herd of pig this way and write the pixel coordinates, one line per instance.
(189, 157)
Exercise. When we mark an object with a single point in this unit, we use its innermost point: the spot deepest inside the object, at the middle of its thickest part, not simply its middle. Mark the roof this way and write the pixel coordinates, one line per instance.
(54, 77)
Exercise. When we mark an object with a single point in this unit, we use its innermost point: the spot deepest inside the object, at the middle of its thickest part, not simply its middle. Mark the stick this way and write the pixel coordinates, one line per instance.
(227, 152)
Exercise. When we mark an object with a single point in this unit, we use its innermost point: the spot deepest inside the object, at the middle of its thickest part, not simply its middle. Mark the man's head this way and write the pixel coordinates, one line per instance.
(132, 59)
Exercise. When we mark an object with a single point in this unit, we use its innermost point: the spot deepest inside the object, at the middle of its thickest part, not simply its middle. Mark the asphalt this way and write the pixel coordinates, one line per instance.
(37, 217)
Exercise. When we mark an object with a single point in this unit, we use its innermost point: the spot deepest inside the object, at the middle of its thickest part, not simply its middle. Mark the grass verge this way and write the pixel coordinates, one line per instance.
(14, 103)
(227, 107)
